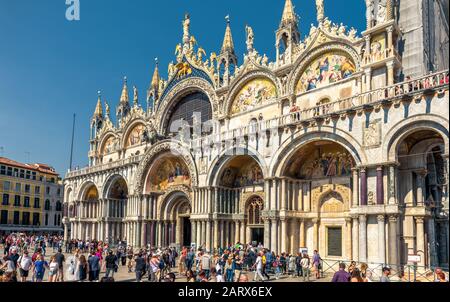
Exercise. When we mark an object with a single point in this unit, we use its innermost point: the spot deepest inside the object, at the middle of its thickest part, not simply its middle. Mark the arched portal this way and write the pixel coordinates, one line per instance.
(318, 180)
(116, 197)
(175, 213)
(421, 180)
(253, 212)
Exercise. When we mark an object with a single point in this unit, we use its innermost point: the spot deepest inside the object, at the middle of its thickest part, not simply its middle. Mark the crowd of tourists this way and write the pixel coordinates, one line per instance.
(24, 260)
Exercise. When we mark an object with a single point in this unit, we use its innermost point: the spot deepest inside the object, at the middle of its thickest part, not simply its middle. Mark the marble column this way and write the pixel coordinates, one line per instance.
(363, 238)
(380, 186)
(381, 239)
(267, 234)
(348, 238)
(392, 183)
(420, 240)
(198, 238)
(434, 261)
(363, 178)
(144, 234)
(208, 235)
(393, 243)
(355, 238)
(283, 235)
(316, 234)
(273, 235)
(242, 231)
(216, 234)
(355, 188)
(420, 178)
(194, 232)
(66, 232)
(302, 234)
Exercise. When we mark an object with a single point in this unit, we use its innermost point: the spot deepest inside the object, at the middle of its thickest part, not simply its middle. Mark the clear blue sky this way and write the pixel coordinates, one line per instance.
(51, 68)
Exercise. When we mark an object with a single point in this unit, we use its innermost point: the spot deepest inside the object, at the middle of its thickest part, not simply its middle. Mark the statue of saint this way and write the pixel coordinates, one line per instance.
(381, 11)
(320, 11)
(250, 38)
(135, 95)
(186, 25)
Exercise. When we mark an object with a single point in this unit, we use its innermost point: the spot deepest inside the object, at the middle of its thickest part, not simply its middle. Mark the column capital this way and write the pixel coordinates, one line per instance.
(348, 220)
(354, 216)
(419, 219)
(381, 218)
(363, 218)
(393, 218)
(315, 220)
(421, 172)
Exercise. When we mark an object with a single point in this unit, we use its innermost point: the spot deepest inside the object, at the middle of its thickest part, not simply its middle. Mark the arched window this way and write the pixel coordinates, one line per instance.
(58, 206)
(195, 103)
(254, 209)
(47, 205)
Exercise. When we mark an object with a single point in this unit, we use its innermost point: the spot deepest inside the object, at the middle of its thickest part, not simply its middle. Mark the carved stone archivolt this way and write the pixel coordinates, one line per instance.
(166, 146)
(331, 198)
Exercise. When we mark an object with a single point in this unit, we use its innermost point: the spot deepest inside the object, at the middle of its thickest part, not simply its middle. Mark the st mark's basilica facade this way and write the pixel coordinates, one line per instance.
(338, 145)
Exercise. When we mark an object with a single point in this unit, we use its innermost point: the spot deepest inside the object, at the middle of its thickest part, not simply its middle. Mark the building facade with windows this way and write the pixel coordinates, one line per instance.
(27, 204)
(331, 146)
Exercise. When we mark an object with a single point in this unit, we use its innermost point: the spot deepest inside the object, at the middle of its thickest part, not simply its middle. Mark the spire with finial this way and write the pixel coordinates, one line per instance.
(99, 108)
(228, 44)
(288, 14)
(124, 98)
(155, 79)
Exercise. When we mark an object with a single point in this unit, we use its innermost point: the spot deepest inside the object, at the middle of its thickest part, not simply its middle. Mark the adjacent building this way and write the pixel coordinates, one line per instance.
(31, 197)
(334, 145)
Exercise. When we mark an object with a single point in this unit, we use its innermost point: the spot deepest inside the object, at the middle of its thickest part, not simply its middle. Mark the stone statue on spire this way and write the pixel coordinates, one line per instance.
(186, 26)
(135, 96)
(250, 38)
(320, 11)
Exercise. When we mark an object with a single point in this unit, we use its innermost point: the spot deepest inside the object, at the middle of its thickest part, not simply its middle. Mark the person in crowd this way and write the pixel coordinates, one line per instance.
(305, 263)
(53, 269)
(182, 261)
(356, 276)
(219, 271)
(237, 267)
(298, 265)
(277, 265)
(39, 267)
(341, 275)
(94, 267)
(351, 267)
(259, 272)
(190, 276)
(111, 264)
(229, 270)
(25, 263)
(438, 272)
(139, 267)
(60, 259)
(441, 277)
(317, 264)
(83, 269)
(243, 278)
(205, 264)
(202, 277)
(291, 266)
(153, 268)
(386, 271)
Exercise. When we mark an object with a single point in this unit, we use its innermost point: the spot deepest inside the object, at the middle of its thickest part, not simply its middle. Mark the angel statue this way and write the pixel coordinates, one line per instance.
(250, 38)
(200, 53)
(265, 60)
(192, 42)
(178, 50)
(135, 95)
(107, 109)
(172, 69)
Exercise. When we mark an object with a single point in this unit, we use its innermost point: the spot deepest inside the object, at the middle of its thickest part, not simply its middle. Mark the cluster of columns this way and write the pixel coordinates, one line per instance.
(219, 233)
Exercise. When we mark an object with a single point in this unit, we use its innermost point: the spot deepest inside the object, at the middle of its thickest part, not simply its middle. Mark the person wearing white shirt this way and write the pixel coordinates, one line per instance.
(25, 262)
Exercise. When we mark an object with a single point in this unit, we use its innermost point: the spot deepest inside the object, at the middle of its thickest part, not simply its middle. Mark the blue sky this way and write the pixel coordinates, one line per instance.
(51, 68)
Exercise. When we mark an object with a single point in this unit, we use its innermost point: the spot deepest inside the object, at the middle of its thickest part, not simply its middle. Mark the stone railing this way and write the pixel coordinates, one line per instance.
(381, 55)
(434, 81)
(108, 166)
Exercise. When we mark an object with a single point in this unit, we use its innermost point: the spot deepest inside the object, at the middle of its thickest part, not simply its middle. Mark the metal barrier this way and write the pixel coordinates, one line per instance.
(402, 273)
